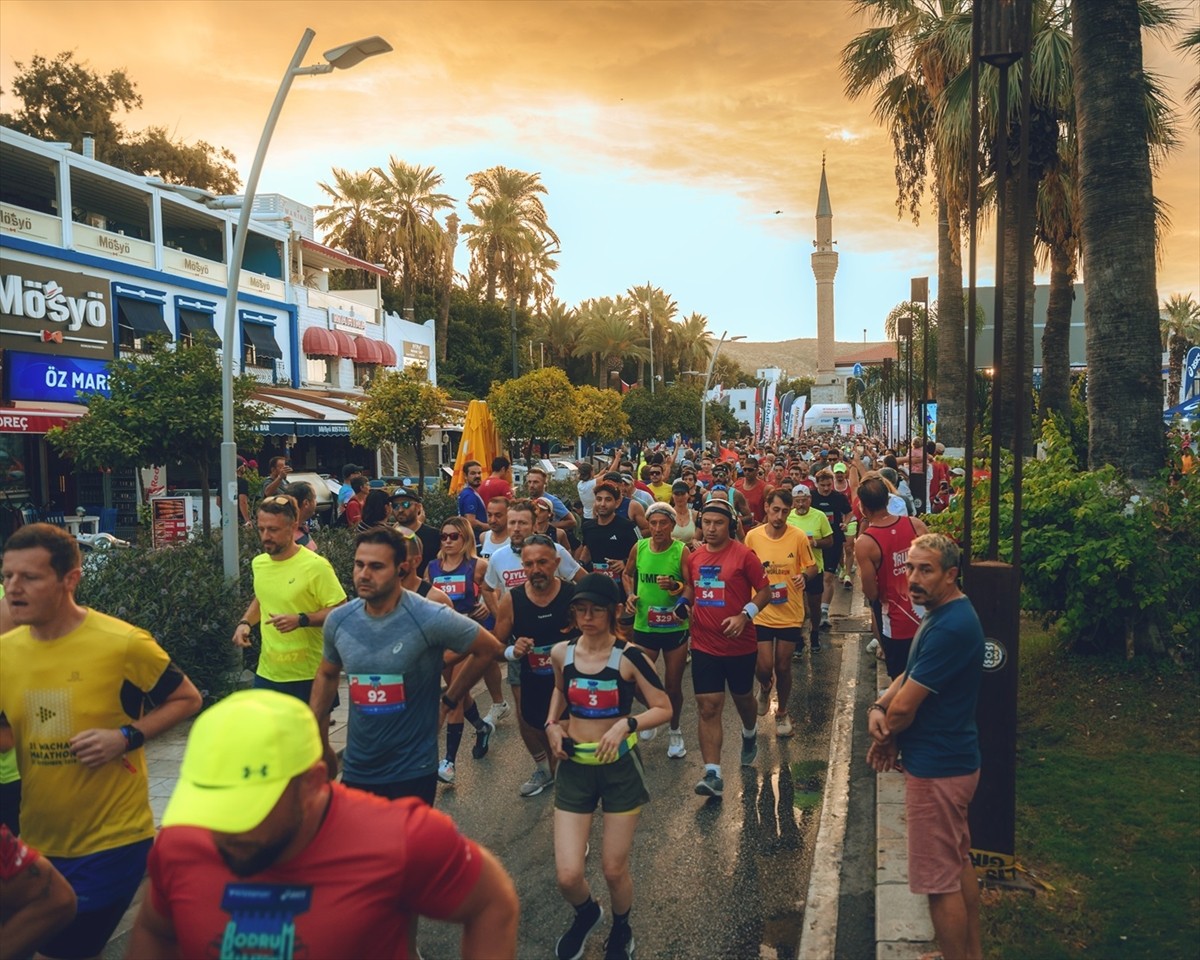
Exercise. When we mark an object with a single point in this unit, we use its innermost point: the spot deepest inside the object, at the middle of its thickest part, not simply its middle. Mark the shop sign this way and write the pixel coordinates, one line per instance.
(35, 376)
(50, 311)
(170, 520)
(416, 351)
(12, 421)
(347, 322)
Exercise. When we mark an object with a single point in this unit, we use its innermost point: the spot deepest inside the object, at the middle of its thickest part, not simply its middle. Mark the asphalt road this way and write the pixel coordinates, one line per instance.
(712, 878)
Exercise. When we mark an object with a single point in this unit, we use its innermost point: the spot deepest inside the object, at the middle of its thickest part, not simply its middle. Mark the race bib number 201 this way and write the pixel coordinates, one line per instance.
(377, 692)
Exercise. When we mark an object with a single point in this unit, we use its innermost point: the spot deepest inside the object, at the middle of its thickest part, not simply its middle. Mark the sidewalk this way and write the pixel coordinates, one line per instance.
(903, 930)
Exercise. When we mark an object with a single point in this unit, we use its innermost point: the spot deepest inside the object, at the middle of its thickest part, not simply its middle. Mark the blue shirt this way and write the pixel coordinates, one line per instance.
(560, 508)
(946, 658)
(470, 504)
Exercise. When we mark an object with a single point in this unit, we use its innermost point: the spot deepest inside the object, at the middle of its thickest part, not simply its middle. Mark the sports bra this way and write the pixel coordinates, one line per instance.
(685, 532)
(596, 696)
(458, 584)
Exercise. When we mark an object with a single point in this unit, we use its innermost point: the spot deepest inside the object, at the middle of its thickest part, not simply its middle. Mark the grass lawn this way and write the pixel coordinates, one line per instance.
(1108, 810)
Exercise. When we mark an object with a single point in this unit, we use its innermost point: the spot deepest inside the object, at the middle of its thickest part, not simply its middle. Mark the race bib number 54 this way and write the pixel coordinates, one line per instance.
(377, 692)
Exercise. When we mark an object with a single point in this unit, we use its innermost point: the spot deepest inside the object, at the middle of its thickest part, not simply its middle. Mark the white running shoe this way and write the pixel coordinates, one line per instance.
(446, 772)
(873, 645)
(498, 712)
(676, 749)
(648, 734)
(783, 726)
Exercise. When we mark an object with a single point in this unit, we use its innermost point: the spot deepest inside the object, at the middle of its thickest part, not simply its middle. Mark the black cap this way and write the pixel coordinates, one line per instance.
(352, 468)
(405, 493)
(597, 588)
(680, 486)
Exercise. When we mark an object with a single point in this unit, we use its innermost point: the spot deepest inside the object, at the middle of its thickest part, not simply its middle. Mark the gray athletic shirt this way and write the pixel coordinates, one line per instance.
(394, 665)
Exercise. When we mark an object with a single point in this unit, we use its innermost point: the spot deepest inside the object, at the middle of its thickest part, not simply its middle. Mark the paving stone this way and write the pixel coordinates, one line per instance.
(900, 915)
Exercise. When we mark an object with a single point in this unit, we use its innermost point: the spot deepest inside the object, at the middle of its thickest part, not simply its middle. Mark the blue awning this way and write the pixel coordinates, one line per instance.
(1189, 409)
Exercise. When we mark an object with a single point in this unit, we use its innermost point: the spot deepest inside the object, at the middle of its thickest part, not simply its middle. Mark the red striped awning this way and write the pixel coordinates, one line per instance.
(345, 345)
(368, 350)
(319, 342)
(389, 354)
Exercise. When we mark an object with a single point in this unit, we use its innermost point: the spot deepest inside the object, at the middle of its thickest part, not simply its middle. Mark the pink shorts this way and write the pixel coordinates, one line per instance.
(939, 839)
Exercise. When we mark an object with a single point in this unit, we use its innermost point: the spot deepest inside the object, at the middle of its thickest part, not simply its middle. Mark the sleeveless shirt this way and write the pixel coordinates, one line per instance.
(542, 624)
(596, 696)
(899, 619)
(655, 609)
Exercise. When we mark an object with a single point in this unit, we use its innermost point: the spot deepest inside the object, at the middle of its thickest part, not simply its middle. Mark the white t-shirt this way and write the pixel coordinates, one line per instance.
(505, 572)
(488, 547)
(587, 496)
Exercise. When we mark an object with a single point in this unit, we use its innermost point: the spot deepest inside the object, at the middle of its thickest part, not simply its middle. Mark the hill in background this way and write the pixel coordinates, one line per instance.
(797, 357)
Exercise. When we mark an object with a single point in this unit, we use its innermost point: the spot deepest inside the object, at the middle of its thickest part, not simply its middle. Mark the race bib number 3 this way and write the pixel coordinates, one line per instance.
(377, 692)
(594, 698)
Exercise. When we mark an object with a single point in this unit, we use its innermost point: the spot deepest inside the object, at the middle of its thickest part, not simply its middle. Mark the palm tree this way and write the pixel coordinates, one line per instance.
(907, 58)
(1179, 325)
(655, 310)
(694, 342)
(535, 274)
(1116, 202)
(1058, 236)
(608, 336)
(449, 243)
(1190, 43)
(558, 327)
(408, 204)
(507, 205)
(351, 221)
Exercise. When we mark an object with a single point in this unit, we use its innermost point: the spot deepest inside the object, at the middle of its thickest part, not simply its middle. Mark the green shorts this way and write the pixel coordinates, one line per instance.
(620, 785)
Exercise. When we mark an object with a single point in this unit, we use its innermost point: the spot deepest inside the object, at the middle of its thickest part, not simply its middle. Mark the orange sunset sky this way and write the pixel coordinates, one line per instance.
(668, 134)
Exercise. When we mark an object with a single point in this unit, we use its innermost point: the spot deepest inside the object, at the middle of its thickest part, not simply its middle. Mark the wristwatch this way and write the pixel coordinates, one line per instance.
(304, 619)
(632, 721)
(134, 737)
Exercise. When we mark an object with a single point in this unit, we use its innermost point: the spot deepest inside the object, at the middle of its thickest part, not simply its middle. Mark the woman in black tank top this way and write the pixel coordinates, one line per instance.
(595, 679)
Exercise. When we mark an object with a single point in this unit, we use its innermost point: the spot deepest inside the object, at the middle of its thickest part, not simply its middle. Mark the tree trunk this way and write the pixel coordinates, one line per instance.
(1177, 348)
(1124, 350)
(1010, 379)
(1055, 395)
(419, 446)
(951, 349)
(442, 331)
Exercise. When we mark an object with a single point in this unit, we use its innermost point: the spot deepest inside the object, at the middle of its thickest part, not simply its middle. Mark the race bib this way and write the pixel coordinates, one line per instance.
(454, 585)
(710, 593)
(779, 592)
(661, 617)
(594, 698)
(377, 692)
(539, 660)
(514, 578)
(601, 566)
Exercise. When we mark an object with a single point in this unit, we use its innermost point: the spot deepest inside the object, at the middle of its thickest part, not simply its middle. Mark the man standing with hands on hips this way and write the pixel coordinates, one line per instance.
(926, 720)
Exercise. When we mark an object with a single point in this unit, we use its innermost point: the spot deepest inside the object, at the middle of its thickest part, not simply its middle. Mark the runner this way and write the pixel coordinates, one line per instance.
(595, 677)
(658, 579)
(608, 537)
(458, 573)
(836, 507)
(260, 855)
(789, 564)
(729, 589)
(496, 535)
(754, 490)
(532, 617)
(37, 900)
(74, 693)
(820, 538)
(687, 526)
(391, 642)
(470, 504)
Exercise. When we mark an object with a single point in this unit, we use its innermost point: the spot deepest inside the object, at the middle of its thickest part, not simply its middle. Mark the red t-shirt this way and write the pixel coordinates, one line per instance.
(373, 865)
(494, 487)
(353, 511)
(15, 856)
(723, 582)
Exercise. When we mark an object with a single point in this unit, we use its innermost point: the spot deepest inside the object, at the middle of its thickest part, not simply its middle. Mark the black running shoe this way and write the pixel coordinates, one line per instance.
(483, 736)
(571, 944)
(619, 945)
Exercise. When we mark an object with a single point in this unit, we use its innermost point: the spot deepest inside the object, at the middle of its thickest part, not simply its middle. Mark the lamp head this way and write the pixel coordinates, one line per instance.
(352, 54)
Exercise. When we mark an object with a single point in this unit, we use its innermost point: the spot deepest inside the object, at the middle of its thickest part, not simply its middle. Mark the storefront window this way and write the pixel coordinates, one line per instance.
(318, 370)
(364, 373)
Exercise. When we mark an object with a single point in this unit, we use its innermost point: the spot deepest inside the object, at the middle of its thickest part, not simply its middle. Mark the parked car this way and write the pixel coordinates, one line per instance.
(326, 489)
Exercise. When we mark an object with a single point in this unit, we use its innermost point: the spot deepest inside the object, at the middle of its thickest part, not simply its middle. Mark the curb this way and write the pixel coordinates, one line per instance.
(818, 938)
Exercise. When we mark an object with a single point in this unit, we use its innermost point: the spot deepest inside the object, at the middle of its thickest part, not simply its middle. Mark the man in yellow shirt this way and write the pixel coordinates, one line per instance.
(72, 698)
(788, 560)
(294, 590)
(659, 486)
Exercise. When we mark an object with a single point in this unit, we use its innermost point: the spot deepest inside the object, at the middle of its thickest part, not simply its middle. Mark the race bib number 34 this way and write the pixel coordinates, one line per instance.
(377, 692)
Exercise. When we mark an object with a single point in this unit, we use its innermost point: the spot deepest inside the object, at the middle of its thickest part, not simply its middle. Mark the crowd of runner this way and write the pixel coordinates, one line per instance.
(726, 563)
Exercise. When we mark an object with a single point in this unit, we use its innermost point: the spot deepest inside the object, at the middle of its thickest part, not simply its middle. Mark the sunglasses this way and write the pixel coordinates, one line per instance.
(280, 500)
(538, 539)
(403, 504)
(452, 537)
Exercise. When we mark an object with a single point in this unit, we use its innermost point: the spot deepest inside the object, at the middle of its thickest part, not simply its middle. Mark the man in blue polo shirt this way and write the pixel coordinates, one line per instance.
(470, 504)
(927, 719)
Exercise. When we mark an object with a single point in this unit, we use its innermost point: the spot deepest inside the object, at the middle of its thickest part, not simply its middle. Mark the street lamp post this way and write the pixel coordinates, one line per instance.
(704, 395)
(339, 58)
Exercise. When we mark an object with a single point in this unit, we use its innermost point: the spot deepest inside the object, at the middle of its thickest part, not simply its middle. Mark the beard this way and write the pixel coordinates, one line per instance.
(257, 862)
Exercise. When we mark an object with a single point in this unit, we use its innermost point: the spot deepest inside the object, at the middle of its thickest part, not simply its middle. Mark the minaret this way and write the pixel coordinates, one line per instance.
(824, 266)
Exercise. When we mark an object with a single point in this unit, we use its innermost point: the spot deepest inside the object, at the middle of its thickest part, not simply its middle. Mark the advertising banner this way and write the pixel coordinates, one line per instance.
(54, 312)
(170, 520)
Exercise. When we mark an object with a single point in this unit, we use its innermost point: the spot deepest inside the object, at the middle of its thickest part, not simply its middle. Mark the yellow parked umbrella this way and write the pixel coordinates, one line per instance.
(480, 441)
